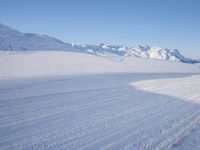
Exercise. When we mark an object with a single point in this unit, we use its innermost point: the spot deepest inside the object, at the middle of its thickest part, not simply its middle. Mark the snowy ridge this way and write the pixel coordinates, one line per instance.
(139, 51)
(11, 39)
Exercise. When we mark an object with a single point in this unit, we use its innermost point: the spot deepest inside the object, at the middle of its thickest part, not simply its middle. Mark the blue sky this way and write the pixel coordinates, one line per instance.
(164, 23)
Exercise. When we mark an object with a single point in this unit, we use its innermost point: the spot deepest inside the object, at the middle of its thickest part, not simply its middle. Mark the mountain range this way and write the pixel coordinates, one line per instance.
(14, 40)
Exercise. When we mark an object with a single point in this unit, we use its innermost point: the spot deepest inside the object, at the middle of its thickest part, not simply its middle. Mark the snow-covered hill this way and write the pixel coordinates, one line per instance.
(59, 63)
(11, 39)
(139, 51)
(67, 100)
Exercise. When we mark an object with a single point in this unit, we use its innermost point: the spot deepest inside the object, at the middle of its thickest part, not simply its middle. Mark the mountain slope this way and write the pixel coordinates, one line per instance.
(139, 51)
(11, 39)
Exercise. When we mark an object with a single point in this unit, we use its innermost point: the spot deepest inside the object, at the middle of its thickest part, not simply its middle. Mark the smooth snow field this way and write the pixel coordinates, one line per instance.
(57, 63)
(101, 112)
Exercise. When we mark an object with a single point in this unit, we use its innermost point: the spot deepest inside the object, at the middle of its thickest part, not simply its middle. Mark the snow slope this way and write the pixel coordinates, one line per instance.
(166, 87)
(100, 112)
(66, 100)
(11, 39)
(186, 89)
(56, 63)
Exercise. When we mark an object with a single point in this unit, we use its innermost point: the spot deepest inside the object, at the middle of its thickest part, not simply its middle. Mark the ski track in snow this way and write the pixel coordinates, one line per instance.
(97, 112)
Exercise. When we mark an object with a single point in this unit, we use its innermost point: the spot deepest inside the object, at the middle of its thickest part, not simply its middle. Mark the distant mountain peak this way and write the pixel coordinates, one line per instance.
(138, 51)
(11, 39)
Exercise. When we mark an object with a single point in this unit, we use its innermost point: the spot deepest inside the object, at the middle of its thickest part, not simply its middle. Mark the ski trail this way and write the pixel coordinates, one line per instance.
(99, 112)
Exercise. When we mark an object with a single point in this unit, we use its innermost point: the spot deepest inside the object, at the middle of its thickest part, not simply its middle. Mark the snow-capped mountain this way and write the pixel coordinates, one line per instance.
(11, 39)
(139, 51)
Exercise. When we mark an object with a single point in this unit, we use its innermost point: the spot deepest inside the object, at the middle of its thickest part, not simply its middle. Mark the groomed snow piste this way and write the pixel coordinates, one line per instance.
(100, 112)
(63, 100)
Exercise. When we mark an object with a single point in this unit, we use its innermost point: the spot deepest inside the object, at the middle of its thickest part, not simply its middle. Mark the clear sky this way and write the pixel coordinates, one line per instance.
(164, 23)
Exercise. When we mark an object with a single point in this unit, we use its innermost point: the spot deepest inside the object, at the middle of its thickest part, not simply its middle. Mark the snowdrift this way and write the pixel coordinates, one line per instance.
(57, 63)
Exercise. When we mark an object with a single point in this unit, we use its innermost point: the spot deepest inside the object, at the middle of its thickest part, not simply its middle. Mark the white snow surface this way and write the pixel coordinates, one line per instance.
(101, 112)
(186, 89)
(23, 64)
(183, 88)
